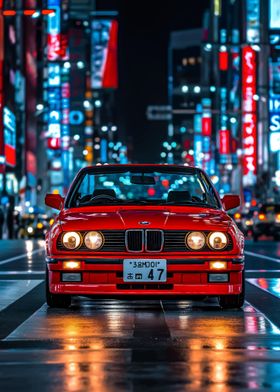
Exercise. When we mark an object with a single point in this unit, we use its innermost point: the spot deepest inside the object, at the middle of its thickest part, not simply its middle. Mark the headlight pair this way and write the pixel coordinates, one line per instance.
(196, 240)
(93, 240)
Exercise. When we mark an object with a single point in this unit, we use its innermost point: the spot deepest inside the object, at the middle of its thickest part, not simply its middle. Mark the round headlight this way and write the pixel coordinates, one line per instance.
(217, 240)
(93, 240)
(195, 240)
(71, 240)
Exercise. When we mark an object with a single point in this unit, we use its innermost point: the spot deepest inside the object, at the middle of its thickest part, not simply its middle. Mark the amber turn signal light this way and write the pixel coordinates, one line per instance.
(218, 265)
(261, 216)
(71, 265)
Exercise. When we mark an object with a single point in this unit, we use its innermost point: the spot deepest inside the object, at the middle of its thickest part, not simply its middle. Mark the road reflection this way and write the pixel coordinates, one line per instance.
(271, 285)
(210, 350)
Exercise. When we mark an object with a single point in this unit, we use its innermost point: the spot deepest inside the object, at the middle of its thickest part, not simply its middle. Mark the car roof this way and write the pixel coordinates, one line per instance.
(138, 166)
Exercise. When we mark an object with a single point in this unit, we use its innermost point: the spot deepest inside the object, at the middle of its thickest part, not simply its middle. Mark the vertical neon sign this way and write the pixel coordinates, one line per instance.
(54, 76)
(249, 120)
(2, 157)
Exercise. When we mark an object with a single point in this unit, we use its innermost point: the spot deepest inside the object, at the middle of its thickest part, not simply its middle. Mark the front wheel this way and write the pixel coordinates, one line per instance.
(233, 301)
(56, 300)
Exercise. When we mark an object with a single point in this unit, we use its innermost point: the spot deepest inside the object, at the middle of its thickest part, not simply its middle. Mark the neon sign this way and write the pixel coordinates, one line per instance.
(249, 121)
(224, 141)
(104, 54)
(9, 121)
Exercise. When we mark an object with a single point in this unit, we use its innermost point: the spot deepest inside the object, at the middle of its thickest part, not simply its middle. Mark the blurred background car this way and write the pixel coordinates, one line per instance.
(267, 222)
(33, 226)
(244, 221)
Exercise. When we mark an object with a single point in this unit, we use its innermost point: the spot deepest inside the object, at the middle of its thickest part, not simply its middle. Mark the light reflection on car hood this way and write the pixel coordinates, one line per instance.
(121, 218)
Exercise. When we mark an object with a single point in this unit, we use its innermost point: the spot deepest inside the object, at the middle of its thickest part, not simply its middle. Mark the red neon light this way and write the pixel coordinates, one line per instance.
(151, 191)
(165, 183)
(27, 12)
(206, 126)
(47, 12)
(9, 13)
(31, 163)
(223, 61)
(54, 143)
(54, 48)
(249, 126)
(224, 136)
(110, 76)
(10, 154)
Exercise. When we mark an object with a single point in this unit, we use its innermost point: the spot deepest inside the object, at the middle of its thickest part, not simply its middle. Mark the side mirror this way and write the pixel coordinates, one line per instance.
(54, 201)
(230, 202)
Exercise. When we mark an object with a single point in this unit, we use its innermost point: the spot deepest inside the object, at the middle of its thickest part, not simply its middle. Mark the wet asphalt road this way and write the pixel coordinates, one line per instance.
(110, 345)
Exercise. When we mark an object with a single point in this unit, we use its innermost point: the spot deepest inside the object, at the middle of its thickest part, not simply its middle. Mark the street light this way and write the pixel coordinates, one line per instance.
(87, 104)
(208, 47)
(40, 107)
(80, 64)
(98, 103)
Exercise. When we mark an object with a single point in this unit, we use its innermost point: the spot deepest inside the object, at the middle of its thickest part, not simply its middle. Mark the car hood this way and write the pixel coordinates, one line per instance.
(121, 218)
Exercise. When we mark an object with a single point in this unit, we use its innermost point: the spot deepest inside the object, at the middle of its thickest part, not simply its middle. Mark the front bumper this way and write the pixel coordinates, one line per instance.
(185, 277)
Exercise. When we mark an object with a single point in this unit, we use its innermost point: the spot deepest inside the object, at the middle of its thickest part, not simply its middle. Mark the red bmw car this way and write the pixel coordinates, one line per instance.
(144, 230)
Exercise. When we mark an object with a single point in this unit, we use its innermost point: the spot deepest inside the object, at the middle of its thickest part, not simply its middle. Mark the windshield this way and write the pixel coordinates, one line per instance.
(152, 187)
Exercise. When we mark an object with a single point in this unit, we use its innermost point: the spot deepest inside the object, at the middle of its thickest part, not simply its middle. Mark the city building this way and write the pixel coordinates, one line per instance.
(58, 82)
(232, 129)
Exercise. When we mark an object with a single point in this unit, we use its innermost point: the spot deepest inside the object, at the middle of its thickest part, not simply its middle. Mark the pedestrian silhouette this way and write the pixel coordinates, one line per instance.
(10, 218)
(2, 219)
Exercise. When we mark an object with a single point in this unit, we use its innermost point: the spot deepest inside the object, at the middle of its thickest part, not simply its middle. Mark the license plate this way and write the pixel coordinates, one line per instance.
(143, 270)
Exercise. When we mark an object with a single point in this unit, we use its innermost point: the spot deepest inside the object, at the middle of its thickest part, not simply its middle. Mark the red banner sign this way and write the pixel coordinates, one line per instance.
(206, 126)
(224, 141)
(223, 61)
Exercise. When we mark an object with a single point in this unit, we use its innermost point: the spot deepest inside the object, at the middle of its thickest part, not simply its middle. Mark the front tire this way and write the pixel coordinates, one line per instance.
(233, 301)
(56, 300)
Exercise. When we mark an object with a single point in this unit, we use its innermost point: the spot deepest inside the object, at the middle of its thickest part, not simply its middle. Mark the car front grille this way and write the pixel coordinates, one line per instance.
(154, 240)
(140, 241)
(134, 240)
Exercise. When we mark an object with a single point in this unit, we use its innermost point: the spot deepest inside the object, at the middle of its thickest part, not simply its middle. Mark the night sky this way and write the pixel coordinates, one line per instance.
(144, 30)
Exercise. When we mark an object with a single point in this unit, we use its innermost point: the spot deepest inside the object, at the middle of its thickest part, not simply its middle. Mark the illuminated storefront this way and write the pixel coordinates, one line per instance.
(274, 90)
